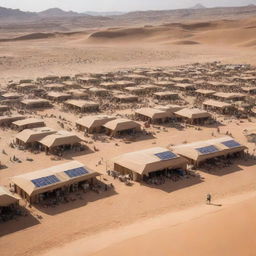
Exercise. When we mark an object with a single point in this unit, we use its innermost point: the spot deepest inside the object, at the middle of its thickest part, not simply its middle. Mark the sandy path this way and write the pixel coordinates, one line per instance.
(96, 243)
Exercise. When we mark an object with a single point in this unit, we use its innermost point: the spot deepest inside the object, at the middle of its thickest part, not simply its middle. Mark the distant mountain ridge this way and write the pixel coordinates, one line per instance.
(57, 12)
(198, 6)
(104, 13)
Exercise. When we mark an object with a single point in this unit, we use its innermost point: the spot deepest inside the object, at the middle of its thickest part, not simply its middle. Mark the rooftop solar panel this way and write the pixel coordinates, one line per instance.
(166, 155)
(231, 144)
(76, 172)
(207, 150)
(45, 181)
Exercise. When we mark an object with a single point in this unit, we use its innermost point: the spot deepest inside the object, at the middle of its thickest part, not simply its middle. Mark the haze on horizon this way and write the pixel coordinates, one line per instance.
(116, 5)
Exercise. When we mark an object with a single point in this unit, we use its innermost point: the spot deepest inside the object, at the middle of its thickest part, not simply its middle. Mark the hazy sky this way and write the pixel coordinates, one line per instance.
(115, 5)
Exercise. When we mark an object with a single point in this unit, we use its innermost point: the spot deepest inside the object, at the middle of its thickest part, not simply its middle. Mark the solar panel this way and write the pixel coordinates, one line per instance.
(76, 172)
(166, 155)
(45, 181)
(207, 150)
(231, 144)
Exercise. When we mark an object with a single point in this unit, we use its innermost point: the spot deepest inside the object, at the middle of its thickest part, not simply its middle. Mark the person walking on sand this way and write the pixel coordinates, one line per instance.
(209, 199)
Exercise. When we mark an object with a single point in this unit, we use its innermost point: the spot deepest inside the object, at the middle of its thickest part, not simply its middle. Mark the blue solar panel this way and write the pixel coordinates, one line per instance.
(207, 150)
(231, 144)
(166, 155)
(45, 181)
(76, 172)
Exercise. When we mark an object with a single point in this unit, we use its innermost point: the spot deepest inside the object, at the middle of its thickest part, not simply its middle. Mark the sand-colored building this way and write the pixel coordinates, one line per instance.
(251, 135)
(166, 95)
(7, 199)
(35, 103)
(95, 91)
(167, 84)
(58, 96)
(93, 124)
(88, 80)
(60, 140)
(218, 106)
(53, 182)
(54, 87)
(184, 87)
(152, 115)
(150, 87)
(28, 123)
(26, 87)
(8, 120)
(120, 126)
(249, 90)
(135, 90)
(193, 115)
(78, 94)
(148, 162)
(125, 98)
(82, 105)
(11, 96)
(31, 137)
(170, 109)
(4, 108)
(204, 92)
(229, 97)
(199, 152)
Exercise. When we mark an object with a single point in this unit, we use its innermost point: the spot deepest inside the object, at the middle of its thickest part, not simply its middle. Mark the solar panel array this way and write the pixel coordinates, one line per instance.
(166, 155)
(207, 150)
(76, 172)
(231, 144)
(45, 181)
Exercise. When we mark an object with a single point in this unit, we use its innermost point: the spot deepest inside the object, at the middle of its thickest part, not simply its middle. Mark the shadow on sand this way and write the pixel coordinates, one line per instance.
(170, 186)
(18, 223)
(76, 200)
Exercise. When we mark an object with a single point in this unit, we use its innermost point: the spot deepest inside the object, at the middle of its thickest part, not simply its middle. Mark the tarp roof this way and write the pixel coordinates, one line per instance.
(226, 95)
(35, 101)
(165, 94)
(152, 113)
(34, 135)
(56, 95)
(60, 138)
(12, 95)
(146, 161)
(190, 150)
(24, 181)
(12, 118)
(205, 92)
(6, 197)
(217, 104)
(94, 121)
(121, 125)
(28, 121)
(82, 103)
(192, 113)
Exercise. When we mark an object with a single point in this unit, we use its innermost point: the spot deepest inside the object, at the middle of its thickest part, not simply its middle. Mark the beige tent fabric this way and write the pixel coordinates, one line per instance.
(59, 139)
(28, 121)
(24, 181)
(10, 119)
(152, 113)
(205, 92)
(230, 96)
(30, 102)
(94, 121)
(217, 104)
(192, 113)
(166, 94)
(6, 197)
(121, 125)
(54, 86)
(58, 95)
(145, 161)
(34, 135)
(12, 95)
(190, 150)
(82, 103)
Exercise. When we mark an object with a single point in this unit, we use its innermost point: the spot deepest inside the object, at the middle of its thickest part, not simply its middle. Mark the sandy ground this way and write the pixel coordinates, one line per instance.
(203, 230)
(94, 213)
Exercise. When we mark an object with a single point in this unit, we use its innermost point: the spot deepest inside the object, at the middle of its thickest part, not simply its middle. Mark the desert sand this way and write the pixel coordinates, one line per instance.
(138, 220)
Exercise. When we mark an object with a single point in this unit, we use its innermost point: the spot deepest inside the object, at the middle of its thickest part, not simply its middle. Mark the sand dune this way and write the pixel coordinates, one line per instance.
(211, 32)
